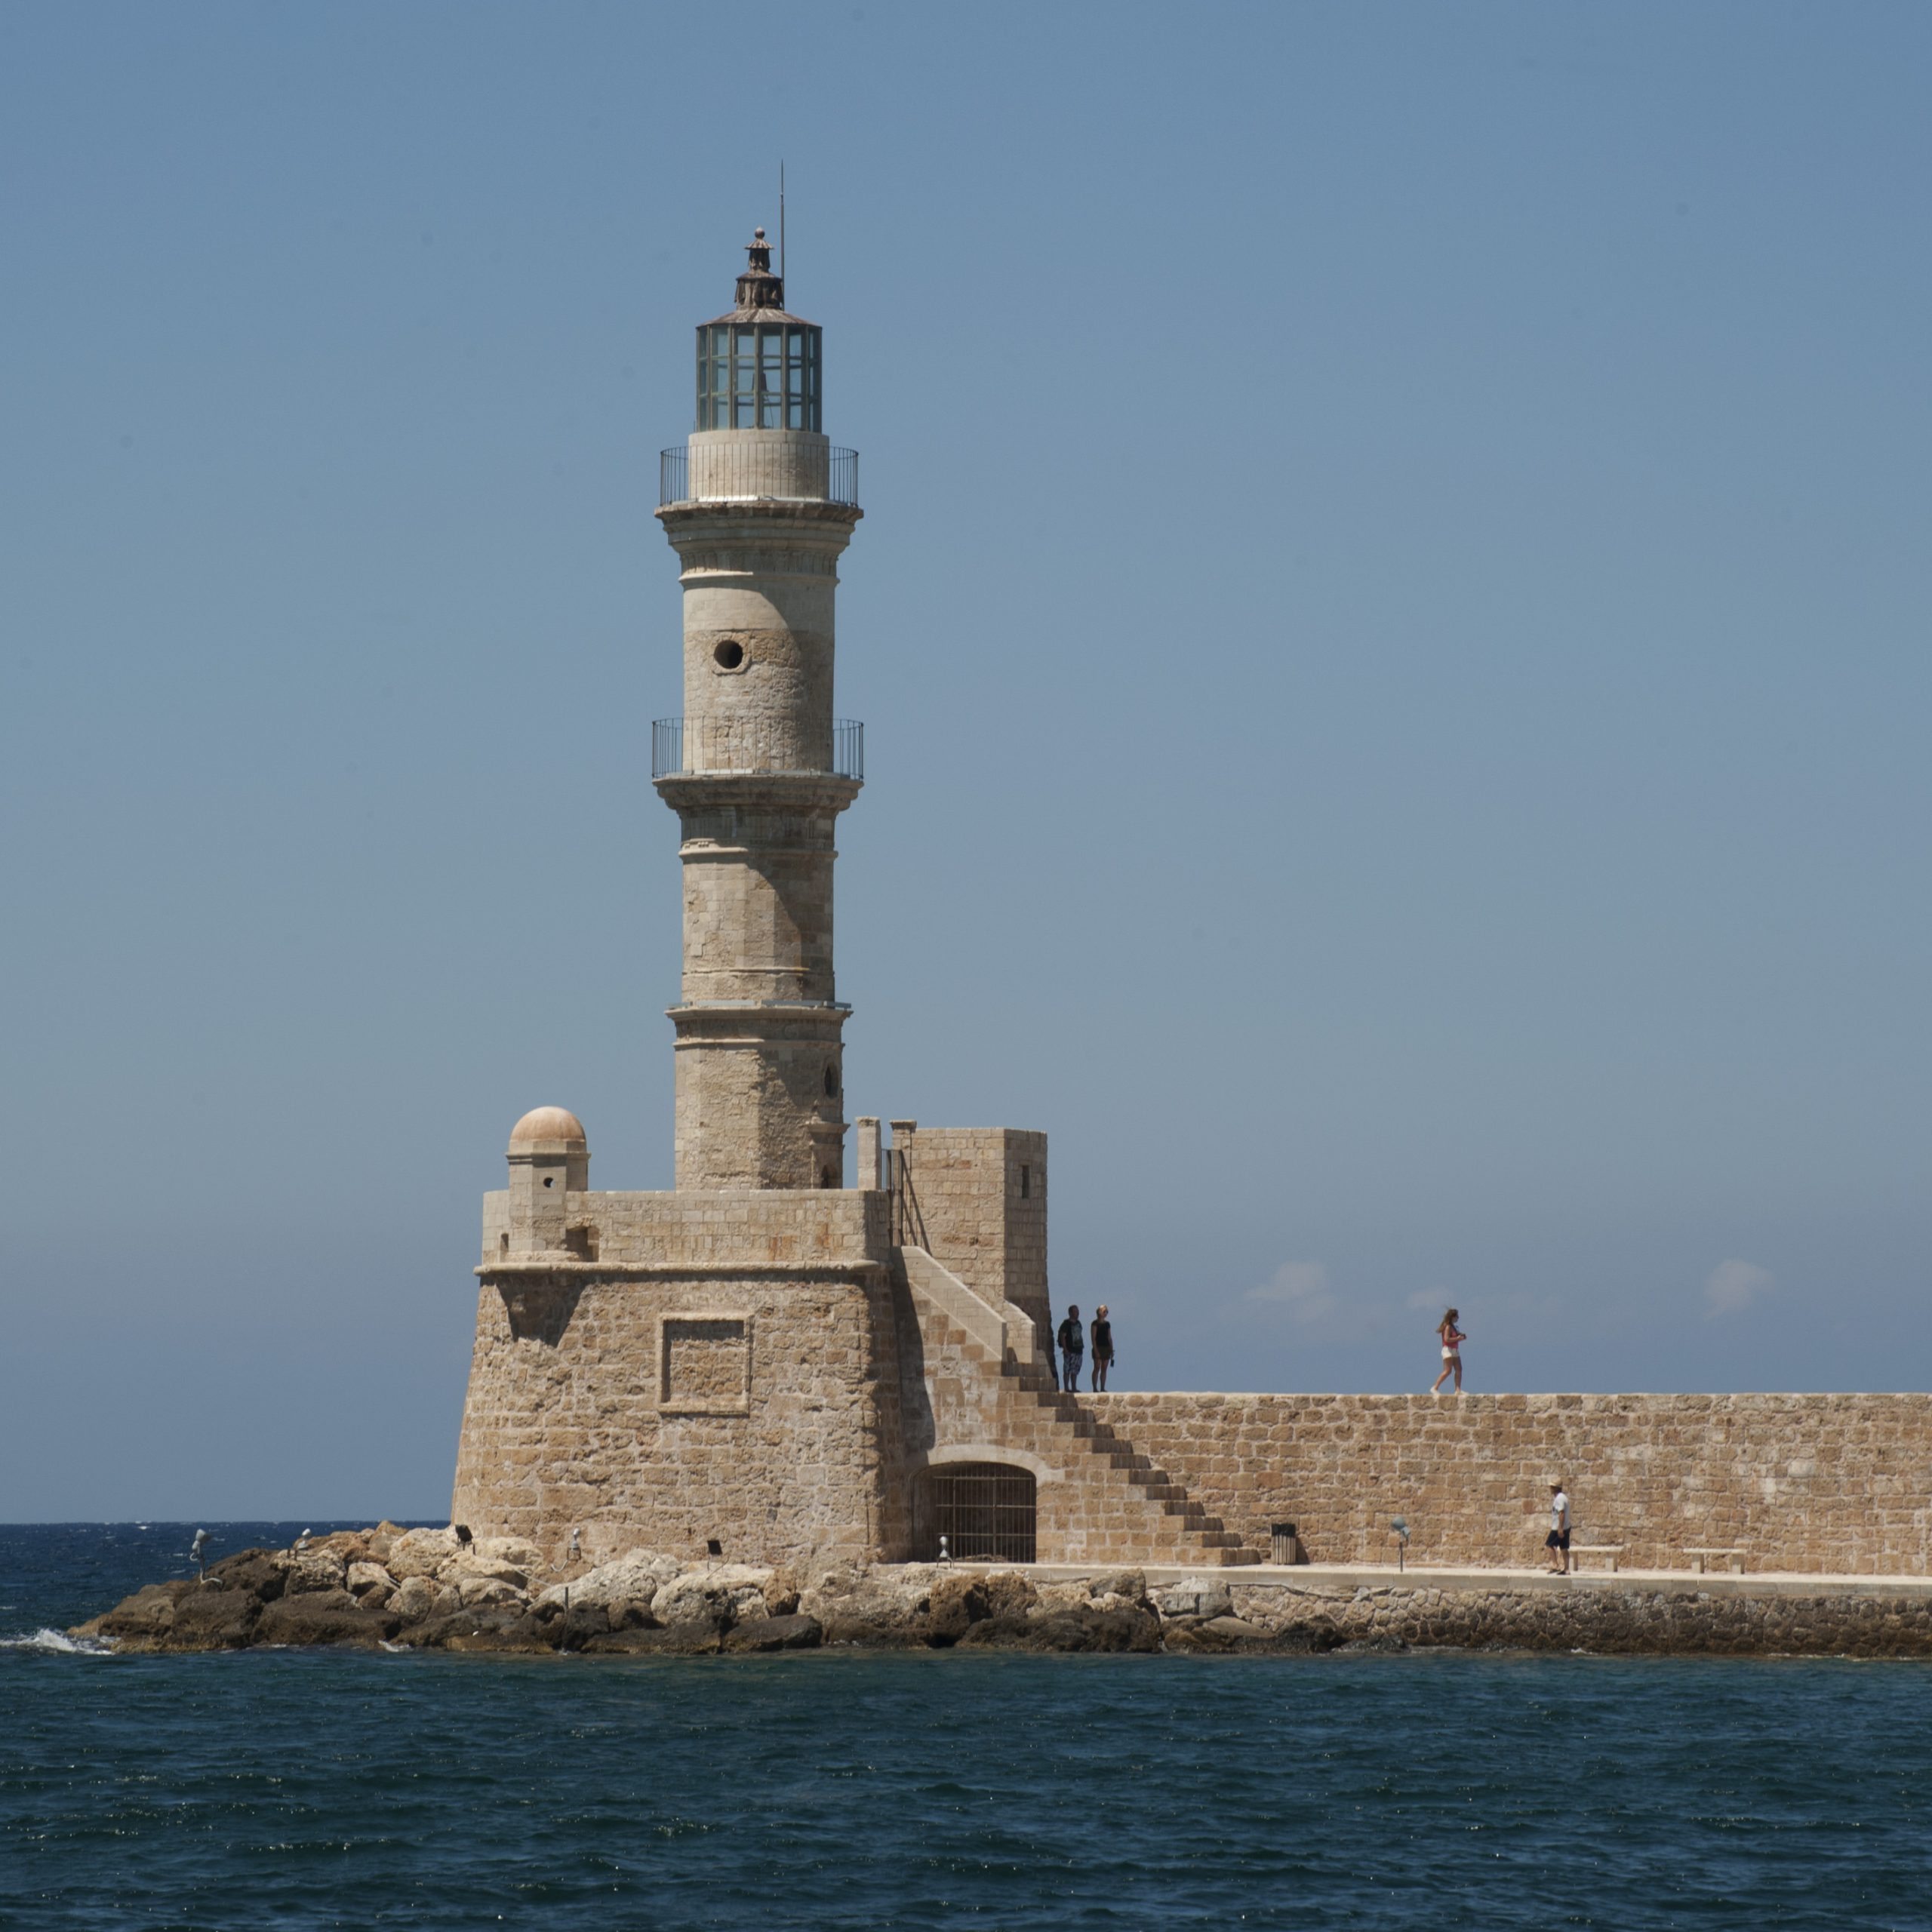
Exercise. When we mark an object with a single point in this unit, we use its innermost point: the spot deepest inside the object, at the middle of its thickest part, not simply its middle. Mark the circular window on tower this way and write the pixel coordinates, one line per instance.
(729, 655)
(832, 1081)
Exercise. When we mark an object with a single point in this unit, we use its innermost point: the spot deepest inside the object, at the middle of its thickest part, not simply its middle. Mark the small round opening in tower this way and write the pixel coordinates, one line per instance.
(729, 655)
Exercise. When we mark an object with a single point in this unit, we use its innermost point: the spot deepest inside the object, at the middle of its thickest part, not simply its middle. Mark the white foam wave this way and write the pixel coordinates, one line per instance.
(58, 1643)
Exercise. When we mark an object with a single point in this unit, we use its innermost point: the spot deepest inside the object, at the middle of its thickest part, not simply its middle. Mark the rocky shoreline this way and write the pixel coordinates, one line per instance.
(392, 1588)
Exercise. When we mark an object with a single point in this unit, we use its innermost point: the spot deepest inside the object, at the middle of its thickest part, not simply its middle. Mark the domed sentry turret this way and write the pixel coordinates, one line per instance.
(757, 368)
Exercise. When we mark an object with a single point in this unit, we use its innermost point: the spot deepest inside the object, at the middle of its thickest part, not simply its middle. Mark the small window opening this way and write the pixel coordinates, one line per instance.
(550, 1180)
(712, 1547)
(825, 1178)
(832, 1080)
(729, 655)
(503, 1244)
(1025, 1181)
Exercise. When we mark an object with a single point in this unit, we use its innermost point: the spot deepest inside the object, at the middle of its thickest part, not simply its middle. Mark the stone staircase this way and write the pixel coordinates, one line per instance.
(1141, 1514)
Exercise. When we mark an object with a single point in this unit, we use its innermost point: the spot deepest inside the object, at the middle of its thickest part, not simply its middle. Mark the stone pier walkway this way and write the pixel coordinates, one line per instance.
(1339, 1578)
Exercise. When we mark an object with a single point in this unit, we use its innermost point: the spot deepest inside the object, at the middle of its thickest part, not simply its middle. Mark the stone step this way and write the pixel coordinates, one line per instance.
(1177, 1529)
(1181, 1530)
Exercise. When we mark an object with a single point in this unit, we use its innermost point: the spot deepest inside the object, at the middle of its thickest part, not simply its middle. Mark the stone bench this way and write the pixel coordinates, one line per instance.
(1736, 1559)
(1612, 1550)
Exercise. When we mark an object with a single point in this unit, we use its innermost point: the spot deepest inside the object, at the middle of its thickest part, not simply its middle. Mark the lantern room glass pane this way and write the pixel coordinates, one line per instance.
(758, 375)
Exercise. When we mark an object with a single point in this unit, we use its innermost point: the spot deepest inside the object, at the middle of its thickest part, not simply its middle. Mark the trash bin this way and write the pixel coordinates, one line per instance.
(1282, 1543)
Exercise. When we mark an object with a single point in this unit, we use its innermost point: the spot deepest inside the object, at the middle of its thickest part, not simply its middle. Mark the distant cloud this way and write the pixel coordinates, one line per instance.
(1733, 1286)
(1301, 1287)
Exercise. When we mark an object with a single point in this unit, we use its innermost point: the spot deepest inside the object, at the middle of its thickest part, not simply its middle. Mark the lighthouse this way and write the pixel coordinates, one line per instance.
(759, 507)
(761, 1363)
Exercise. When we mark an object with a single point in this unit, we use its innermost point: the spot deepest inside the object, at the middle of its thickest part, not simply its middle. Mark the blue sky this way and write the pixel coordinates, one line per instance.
(1391, 622)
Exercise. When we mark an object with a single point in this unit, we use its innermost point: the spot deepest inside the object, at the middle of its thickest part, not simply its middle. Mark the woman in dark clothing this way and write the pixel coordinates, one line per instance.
(1103, 1347)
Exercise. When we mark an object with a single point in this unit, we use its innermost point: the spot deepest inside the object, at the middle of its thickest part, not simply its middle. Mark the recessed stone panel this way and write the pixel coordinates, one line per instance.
(704, 1365)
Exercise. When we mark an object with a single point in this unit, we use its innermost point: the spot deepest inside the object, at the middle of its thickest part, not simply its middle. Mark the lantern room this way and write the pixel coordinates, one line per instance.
(757, 368)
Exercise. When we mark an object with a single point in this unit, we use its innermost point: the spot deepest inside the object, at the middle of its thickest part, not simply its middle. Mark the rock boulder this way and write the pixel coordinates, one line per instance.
(721, 1594)
(684, 1639)
(420, 1552)
(314, 1569)
(148, 1613)
(775, 1633)
(213, 1618)
(1195, 1596)
(262, 1573)
(635, 1577)
(324, 1617)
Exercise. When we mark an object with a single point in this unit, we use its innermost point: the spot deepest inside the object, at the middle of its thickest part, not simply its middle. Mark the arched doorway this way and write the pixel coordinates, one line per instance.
(987, 1512)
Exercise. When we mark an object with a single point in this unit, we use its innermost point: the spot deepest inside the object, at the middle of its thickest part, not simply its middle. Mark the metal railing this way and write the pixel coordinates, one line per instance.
(909, 1225)
(693, 746)
(755, 473)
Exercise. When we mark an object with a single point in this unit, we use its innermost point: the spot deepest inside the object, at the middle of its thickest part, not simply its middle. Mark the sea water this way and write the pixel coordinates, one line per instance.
(269, 1789)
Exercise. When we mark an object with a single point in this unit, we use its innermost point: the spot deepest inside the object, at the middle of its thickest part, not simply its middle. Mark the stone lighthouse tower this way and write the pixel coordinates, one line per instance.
(763, 1364)
(758, 507)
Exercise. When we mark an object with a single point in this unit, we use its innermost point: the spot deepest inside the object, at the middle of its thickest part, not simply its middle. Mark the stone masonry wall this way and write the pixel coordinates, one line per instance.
(697, 1366)
(1804, 1482)
(663, 1413)
(979, 1198)
(725, 1227)
(958, 1404)
(748, 1367)
(764, 580)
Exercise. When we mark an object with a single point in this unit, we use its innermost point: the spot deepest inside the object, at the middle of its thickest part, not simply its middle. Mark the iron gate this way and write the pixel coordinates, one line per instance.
(986, 1511)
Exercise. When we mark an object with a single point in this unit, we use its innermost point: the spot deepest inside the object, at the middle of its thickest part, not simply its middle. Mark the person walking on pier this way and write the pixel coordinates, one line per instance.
(1103, 1348)
(1072, 1341)
(1452, 1339)
(1557, 1542)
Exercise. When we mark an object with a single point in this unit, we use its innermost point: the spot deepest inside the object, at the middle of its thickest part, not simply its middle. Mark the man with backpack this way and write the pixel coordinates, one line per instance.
(1072, 1340)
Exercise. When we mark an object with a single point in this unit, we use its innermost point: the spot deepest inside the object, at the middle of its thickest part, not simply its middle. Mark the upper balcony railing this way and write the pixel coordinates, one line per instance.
(776, 472)
(698, 746)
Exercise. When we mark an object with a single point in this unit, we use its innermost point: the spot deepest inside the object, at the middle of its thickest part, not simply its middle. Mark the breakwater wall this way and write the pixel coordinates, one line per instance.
(1821, 1483)
(1647, 1616)
(386, 1588)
